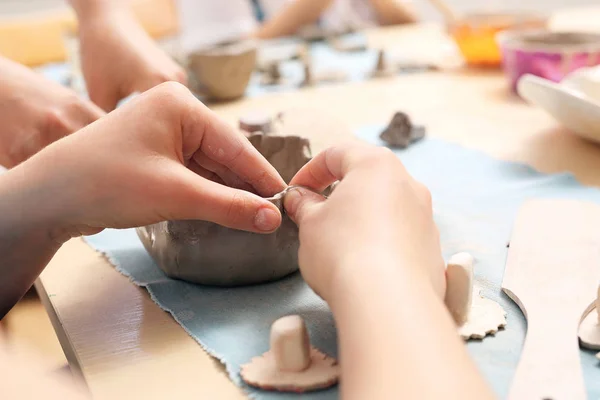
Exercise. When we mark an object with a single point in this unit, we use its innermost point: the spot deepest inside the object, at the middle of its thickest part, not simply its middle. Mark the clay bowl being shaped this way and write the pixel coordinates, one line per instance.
(209, 254)
(222, 72)
(475, 34)
(572, 108)
(550, 55)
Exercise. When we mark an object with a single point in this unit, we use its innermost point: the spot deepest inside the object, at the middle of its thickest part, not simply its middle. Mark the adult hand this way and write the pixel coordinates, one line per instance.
(378, 216)
(119, 58)
(162, 156)
(35, 112)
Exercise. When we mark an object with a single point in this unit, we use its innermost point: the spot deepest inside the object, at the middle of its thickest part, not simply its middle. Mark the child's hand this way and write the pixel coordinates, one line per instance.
(119, 58)
(162, 156)
(377, 216)
(35, 112)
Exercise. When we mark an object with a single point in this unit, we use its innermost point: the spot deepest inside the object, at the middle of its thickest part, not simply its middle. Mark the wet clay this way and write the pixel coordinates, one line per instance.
(401, 132)
(206, 253)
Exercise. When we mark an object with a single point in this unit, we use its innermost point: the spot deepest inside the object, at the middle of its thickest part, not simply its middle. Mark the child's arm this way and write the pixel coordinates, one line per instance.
(397, 340)
(372, 251)
(159, 157)
(293, 17)
(393, 12)
(118, 57)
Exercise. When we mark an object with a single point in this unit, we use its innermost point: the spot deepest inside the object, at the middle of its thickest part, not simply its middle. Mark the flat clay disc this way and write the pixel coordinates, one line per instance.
(262, 372)
(589, 331)
(485, 317)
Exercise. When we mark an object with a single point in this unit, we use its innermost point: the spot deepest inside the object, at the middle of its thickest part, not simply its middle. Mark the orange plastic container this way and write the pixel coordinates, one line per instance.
(475, 34)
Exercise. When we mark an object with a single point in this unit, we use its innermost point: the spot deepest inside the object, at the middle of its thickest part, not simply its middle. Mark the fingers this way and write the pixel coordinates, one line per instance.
(85, 112)
(299, 202)
(220, 144)
(227, 177)
(334, 163)
(106, 97)
(194, 197)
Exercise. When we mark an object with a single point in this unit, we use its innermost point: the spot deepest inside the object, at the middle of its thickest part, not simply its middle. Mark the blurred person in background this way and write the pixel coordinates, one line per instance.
(119, 57)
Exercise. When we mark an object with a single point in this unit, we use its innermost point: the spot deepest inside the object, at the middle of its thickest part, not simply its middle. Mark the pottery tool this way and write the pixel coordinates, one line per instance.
(292, 364)
(552, 273)
(589, 330)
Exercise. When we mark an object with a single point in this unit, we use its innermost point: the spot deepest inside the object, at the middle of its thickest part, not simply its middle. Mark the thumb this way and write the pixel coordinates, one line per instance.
(298, 202)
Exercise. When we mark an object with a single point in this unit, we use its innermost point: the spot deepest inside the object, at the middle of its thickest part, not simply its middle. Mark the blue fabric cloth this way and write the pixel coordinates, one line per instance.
(475, 201)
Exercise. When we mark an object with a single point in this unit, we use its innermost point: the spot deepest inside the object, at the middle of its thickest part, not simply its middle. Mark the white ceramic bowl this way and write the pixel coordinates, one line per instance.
(570, 106)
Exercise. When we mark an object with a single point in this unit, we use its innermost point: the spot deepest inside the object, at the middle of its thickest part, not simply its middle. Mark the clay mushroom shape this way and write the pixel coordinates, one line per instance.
(291, 365)
(474, 315)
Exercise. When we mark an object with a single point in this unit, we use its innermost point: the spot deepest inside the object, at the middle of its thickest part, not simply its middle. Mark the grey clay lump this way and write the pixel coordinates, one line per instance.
(206, 253)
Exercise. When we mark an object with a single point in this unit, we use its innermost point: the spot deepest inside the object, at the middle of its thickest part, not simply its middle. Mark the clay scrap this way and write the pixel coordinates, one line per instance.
(291, 364)
(401, 132)
(210, 254)
(474, 315)
(272, 75)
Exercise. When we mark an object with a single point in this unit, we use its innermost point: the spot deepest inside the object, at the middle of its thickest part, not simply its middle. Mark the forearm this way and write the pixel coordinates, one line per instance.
(393, 12)
(26, 235)
(397, 340)
(293, 17)
(87, 10)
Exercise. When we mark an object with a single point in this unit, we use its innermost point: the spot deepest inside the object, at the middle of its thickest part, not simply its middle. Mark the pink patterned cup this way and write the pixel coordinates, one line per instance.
(550, 55)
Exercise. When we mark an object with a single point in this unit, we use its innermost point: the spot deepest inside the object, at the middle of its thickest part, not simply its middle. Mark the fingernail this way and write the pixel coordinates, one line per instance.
(267, 219)
(291, 201)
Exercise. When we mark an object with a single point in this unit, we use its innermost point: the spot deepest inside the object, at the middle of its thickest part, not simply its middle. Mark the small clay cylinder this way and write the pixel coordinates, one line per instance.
(256, 122)
(459, 286)
(290, 344)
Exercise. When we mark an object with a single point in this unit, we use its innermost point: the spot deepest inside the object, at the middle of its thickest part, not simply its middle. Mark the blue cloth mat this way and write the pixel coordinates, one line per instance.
(475, 201)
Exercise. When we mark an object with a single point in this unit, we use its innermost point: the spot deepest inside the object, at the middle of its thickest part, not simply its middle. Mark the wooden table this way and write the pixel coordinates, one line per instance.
(126, 347)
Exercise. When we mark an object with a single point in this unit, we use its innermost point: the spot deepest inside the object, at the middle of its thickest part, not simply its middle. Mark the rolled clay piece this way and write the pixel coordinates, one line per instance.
(401, 132)
(589, 329)
(459, 286)
(290, 344)
(291, 365)
(256, 122)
